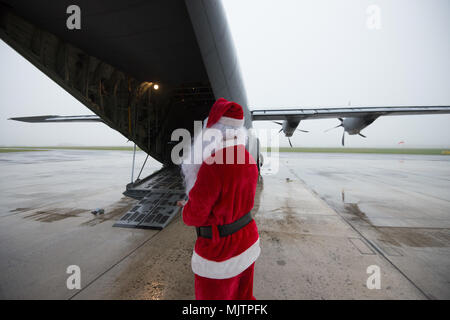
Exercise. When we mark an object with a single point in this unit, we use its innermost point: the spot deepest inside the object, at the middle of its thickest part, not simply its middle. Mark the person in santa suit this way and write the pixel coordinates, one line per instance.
(221, 191)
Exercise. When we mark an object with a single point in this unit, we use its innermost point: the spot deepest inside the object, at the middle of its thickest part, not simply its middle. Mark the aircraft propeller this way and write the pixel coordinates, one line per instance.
(290, 129)
(345, 129)
(341, 125)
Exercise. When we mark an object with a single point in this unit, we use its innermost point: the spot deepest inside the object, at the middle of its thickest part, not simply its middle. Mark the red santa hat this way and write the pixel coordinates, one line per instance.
(226, 112)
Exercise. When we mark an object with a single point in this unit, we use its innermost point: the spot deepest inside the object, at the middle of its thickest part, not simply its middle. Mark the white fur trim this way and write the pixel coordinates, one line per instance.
(231, 121)
(228, 268)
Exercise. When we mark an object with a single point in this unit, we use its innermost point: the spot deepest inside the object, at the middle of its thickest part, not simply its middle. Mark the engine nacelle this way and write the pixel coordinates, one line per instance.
(289, 127)
(355, 125)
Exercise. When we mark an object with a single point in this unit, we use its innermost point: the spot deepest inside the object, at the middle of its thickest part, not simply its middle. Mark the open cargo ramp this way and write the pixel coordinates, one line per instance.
(158, 195)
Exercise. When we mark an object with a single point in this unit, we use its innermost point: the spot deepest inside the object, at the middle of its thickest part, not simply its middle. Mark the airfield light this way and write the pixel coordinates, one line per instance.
(156, 86)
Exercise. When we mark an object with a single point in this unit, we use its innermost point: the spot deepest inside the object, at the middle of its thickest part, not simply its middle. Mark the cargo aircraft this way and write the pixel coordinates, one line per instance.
(146, 68)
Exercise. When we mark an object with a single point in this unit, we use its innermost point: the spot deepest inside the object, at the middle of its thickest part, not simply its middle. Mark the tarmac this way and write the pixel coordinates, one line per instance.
(310, 250)
(398, 203)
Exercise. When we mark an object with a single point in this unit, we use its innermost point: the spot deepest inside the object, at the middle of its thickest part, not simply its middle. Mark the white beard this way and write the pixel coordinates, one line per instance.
(190, 170)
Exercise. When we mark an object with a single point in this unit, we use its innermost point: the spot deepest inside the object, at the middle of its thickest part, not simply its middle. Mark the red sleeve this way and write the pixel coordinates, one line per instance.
(202, 196)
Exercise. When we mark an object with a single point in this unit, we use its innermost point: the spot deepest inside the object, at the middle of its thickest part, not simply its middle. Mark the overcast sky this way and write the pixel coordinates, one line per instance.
(292, 53)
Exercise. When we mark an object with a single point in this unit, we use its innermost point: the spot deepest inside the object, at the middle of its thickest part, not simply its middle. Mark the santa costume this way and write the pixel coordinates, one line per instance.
(221, 193)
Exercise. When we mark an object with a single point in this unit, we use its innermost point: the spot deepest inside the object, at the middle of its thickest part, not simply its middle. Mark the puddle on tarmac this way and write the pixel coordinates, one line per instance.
(113, 213)
(402, 236)
(56, 214)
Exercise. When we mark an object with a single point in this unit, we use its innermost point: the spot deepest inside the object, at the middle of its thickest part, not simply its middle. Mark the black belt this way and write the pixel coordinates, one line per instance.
(226, 229)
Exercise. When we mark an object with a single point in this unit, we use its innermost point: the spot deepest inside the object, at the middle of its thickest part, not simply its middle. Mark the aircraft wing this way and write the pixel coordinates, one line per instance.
(361, 112)
(43, 119)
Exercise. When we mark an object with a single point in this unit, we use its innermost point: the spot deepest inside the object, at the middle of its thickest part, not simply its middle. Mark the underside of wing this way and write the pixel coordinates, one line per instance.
(327, 113)
(145, 68)
(43, 119)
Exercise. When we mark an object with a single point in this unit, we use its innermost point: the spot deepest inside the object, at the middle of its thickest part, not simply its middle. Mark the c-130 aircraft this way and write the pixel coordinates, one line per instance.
(146, 68)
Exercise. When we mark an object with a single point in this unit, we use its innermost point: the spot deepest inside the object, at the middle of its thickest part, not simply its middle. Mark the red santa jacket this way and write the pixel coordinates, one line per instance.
(223, 193)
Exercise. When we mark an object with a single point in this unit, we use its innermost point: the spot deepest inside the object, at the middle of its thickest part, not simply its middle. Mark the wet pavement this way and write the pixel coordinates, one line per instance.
(398, 203)
(309, 250)
(46, 222)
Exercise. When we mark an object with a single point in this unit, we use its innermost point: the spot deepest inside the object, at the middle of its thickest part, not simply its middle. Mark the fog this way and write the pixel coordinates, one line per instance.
(293, 54)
